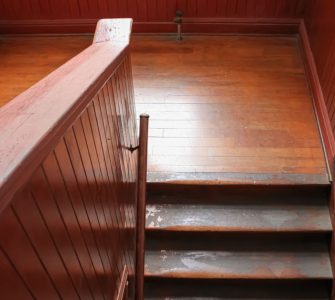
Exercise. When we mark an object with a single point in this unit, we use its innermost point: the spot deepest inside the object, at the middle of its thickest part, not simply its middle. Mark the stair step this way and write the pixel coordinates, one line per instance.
(218, 194)
(238, 264)
(238, 242)
(235, 241)
(237, 289)
(253, 217)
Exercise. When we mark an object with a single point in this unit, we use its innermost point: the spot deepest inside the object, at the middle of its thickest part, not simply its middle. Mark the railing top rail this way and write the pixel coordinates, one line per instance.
(33, 122)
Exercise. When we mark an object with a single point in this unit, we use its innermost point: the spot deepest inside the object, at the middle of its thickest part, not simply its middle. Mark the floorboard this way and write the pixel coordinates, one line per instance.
(241, 265)
(222, 108)
(228, 109)
(24, 60)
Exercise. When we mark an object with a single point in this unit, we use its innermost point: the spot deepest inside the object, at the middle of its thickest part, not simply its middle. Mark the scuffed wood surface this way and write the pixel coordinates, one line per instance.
(252, 265)
(238, 217)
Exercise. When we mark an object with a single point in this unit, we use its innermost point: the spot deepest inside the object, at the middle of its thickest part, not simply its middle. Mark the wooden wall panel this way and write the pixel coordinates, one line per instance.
(320, 23)
(147, 10)
(69, 232)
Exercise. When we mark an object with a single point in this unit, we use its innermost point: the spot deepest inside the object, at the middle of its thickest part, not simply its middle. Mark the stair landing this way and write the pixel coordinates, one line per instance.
(224, 109)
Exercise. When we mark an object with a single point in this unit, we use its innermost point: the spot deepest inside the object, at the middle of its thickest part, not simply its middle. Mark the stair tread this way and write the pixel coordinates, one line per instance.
(238, 264)
(238, 217)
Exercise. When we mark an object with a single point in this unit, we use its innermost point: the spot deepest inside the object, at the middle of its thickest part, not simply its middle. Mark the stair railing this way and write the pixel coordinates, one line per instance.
(67, 181)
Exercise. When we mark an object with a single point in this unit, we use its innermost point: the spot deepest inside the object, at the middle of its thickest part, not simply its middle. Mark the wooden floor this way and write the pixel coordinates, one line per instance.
(227, 108)
(26, 60)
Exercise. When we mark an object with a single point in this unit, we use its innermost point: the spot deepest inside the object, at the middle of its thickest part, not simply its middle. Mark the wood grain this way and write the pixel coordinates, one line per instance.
(237, 265)
(68, 217)
(319, 20)
(151, 16)
(26, 60)
(227, 105)
(148, 10)
(238, 217)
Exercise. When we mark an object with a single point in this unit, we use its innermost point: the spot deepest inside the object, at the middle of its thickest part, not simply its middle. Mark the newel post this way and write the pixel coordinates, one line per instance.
(141, 204)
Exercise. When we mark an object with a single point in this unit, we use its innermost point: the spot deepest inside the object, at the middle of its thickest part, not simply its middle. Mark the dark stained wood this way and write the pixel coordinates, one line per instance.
(240, 208)
(318, 97)
(226, 25)
(193, 192)
(68, 184)
(149, 15)
(238, 265)
(244, 25)
(260, 237)
(319, 20)
(240, 217)
(18, 143)
(123, 286)
(227, 105)
(238, 178)
(141, 204)
(26, 60)
(161, 10)
(231, 289)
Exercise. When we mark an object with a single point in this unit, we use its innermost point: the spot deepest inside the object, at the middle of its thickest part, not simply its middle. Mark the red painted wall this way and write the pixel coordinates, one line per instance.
(320, 23)
(147, 10)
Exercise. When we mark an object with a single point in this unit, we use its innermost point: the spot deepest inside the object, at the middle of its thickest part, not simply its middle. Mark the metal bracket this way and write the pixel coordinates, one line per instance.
(132, 149)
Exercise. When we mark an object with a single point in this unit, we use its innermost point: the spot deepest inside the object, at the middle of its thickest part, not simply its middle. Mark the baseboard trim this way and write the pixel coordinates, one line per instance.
(318, 98)
(189, 26)
(47, 26)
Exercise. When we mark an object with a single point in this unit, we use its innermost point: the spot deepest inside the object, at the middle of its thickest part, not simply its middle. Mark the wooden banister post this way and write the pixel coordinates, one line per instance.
(141, 204)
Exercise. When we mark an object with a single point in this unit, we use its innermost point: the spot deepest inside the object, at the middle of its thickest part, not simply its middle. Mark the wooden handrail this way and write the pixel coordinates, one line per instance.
(32, 123)
(68, 184)
(141, 204)
(114, 30)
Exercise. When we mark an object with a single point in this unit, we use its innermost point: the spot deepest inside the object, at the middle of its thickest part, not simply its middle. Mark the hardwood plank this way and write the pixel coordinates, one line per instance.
(236, 289)
(239, 217)
(238, 265)
(11, 284)
(22, 256)
(26, 60)
(236, 178)
(74, 223)
(29, 215)
(227, 105)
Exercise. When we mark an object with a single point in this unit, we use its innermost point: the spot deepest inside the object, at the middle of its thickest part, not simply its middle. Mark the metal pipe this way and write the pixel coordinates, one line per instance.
(179, 20)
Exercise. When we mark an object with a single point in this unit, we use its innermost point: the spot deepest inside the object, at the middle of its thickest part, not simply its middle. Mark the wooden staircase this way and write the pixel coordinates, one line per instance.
(238, 242)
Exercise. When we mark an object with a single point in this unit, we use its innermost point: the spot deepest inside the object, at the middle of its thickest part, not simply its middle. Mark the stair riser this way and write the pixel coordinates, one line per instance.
(242, 241)
(238, 289)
